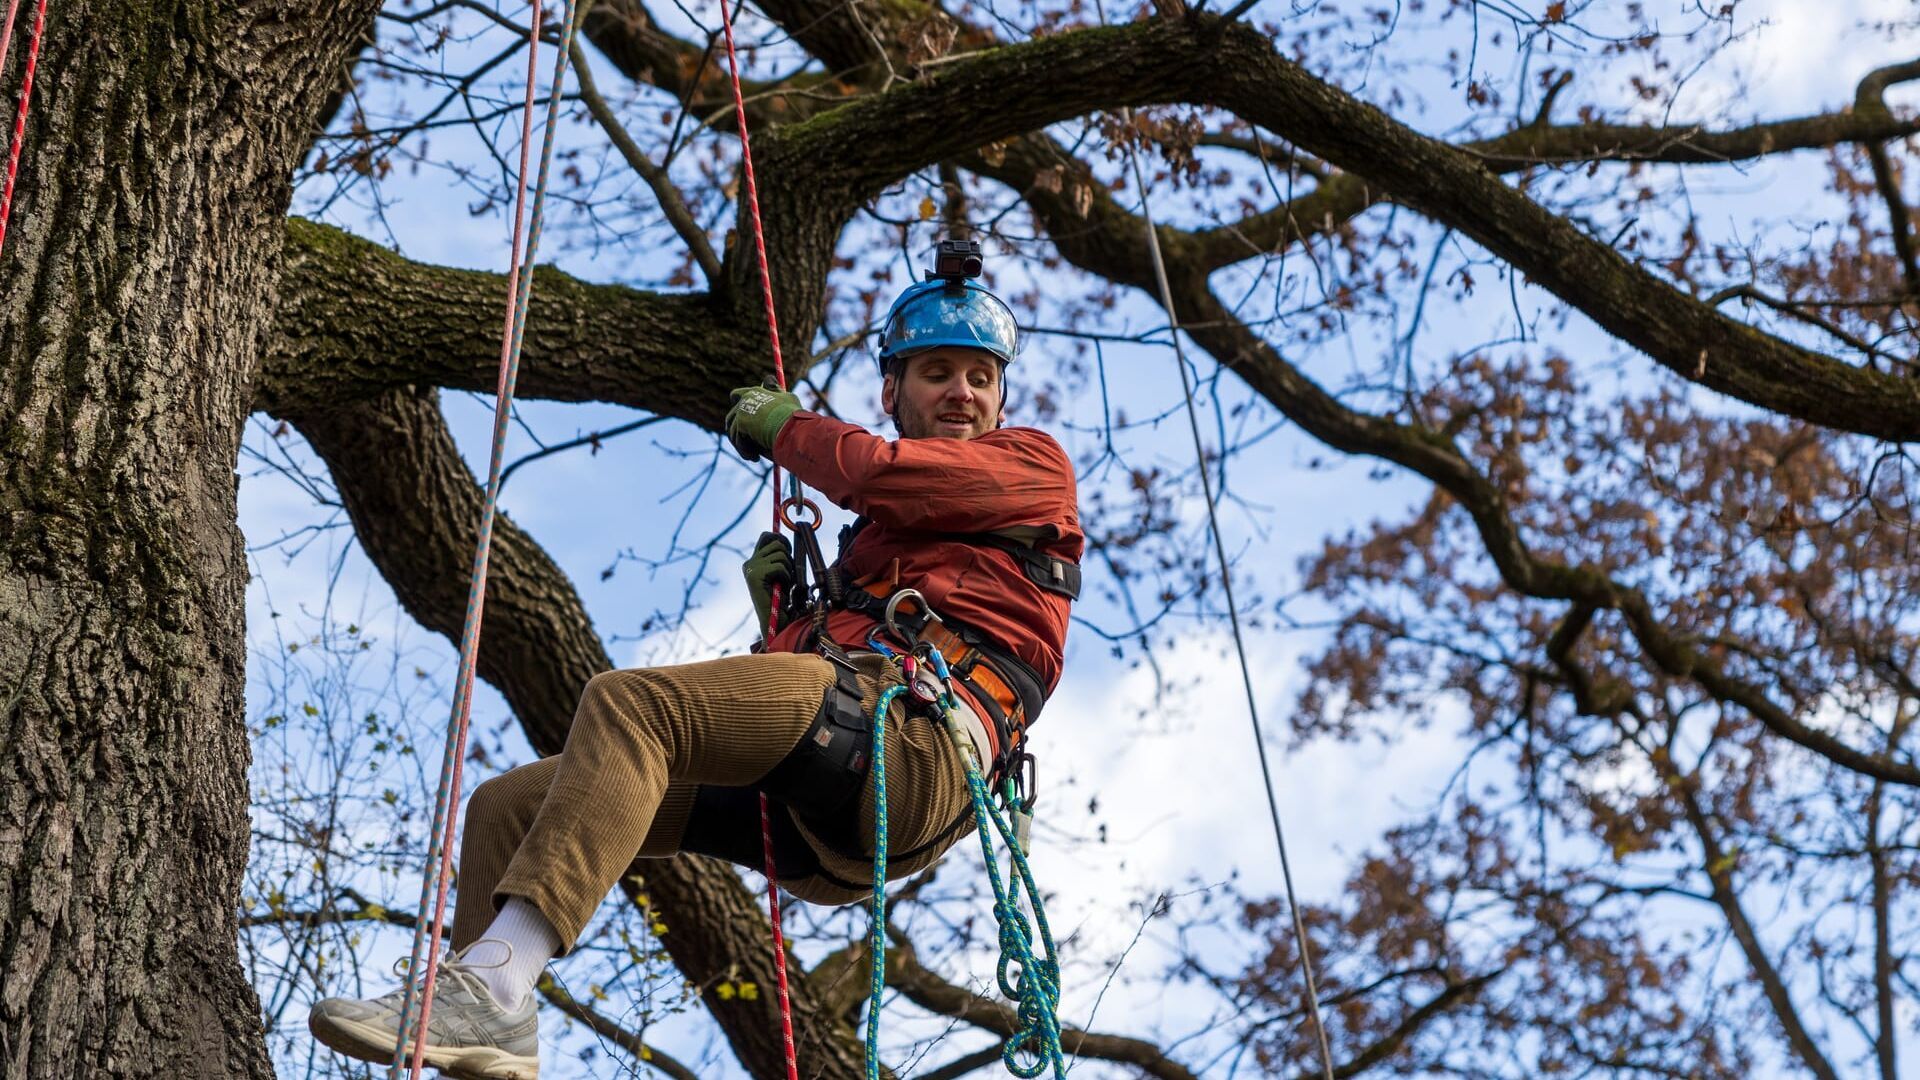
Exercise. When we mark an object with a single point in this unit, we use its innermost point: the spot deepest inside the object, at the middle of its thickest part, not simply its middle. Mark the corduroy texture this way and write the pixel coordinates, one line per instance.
(560, 832)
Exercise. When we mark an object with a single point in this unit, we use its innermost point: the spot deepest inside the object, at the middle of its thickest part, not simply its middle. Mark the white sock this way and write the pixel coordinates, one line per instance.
(513, 952)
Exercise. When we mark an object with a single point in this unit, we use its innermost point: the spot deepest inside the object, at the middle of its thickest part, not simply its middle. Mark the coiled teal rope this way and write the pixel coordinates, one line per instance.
(1031, 982)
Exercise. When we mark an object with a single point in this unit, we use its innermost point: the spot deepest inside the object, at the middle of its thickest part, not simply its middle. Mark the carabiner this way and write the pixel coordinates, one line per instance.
(1023, 780)
(893, 609)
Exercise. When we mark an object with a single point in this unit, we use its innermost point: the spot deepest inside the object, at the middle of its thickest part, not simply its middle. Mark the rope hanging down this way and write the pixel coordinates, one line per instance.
(1233, 611)
(780, 376)
(26, 101)
(1031, 982)
(438, 875)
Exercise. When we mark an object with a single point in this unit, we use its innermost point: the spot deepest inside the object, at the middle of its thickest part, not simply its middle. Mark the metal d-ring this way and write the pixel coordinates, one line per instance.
(787, 506)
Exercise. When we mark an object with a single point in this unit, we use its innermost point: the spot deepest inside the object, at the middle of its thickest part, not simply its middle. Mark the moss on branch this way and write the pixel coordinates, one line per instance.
(356, 319)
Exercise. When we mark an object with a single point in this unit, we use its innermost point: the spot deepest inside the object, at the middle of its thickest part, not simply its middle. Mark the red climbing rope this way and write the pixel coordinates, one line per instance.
(26, 100)
(780, 375)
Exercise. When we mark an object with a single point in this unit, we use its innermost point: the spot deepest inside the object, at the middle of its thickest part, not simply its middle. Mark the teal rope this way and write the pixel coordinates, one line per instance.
(1032, 982)
(877, 939)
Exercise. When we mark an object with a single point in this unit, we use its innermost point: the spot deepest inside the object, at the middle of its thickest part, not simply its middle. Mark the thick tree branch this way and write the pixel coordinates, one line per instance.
(1341, 195)
(931, 992)
(414, 507)
(844, 153)
(1454, 187)
(1436, 458)
(818, 171)
(1456, 992)
(625, 32)
(963, 1064)
(1870, 101)
(631, 39)
(1571, 144)
(1105, 251)
(876, 141)
(870, 143)
(355, 320)
(831, 30)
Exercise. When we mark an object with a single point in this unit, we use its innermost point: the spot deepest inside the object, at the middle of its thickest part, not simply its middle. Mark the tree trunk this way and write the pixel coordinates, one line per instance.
(138, 270)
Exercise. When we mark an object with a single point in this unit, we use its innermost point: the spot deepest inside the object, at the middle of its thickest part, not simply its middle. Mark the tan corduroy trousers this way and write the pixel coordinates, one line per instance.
(561, 831)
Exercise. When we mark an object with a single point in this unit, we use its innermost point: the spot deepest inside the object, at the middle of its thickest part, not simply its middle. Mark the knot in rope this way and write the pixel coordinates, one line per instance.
(1035, 986)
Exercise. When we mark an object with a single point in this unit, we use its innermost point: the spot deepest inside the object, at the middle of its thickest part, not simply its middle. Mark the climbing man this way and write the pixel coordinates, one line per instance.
(968, 537)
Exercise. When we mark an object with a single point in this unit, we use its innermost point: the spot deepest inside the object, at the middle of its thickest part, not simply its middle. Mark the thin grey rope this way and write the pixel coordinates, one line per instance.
(1233, 611)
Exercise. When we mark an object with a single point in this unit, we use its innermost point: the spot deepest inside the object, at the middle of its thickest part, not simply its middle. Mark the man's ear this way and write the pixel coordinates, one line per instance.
(889, 392)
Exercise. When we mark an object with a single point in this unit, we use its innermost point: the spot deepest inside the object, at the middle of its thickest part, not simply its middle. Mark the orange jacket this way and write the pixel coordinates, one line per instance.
(912, 488)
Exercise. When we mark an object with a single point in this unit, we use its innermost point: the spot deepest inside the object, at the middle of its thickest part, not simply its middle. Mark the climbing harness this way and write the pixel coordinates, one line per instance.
(1226, 583)
(1007, 688)
(439, 870)
(26, 100)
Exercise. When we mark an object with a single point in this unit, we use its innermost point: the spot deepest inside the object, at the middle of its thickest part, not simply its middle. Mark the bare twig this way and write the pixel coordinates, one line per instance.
(671, 204)
(605, 1028)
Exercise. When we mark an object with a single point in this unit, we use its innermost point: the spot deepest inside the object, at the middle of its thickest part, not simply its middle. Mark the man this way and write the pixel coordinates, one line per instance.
(978, 518)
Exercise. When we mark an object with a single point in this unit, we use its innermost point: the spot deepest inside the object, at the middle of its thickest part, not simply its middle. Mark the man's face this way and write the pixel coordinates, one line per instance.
(951, 392)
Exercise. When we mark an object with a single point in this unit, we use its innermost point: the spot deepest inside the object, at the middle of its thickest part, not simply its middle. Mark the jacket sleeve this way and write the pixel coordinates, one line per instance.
(1009, 477)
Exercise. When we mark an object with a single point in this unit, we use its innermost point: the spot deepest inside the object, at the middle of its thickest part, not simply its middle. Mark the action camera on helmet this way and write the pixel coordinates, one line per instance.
(955, 261)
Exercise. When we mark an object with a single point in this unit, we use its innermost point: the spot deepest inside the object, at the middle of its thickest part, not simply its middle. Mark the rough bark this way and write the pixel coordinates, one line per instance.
(414, 506)
(357, 320)
(139, 272)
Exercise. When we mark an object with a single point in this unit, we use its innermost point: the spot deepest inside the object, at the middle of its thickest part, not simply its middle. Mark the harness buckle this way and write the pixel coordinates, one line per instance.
(831, 649)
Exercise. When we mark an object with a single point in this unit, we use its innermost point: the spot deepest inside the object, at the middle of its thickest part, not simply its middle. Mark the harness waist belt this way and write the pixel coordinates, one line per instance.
(1006, 687)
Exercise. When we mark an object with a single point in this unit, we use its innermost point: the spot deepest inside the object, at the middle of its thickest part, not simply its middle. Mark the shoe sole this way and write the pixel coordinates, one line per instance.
(367, 1042)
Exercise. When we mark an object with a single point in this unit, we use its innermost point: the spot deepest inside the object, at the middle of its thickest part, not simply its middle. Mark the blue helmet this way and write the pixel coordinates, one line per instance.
(941, 311)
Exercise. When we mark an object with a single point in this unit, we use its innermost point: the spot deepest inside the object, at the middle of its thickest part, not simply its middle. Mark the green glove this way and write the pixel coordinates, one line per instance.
(770, 564)
(756, 418)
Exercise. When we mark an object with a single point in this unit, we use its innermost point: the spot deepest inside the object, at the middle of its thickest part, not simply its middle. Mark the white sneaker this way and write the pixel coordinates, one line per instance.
(469, 1035)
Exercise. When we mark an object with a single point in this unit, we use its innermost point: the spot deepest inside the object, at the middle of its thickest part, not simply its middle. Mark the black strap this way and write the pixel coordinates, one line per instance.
(823, 779)
(823, 775)
(1050, 572)
(1015, 672)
